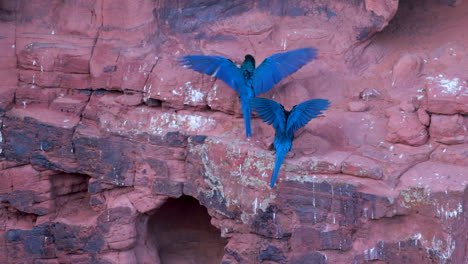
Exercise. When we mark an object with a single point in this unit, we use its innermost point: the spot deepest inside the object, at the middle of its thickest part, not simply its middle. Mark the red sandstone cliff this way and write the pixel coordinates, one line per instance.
(102, 130)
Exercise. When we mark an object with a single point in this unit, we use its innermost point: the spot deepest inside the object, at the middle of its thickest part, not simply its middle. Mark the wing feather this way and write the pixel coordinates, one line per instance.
(280, 65)
(302, 113)
(270, 111)
(215, 66)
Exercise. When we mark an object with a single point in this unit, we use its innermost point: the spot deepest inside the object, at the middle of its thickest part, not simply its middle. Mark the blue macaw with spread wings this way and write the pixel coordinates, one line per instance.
(247, 80)
(286, 123)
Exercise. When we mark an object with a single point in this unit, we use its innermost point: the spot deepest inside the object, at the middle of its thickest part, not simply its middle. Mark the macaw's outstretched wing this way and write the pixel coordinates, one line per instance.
(302, 113)
(276, 67)
(270, 111)
(216, 66)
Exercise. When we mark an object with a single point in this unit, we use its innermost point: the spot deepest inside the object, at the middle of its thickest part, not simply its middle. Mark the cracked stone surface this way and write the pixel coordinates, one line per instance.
(106, 142)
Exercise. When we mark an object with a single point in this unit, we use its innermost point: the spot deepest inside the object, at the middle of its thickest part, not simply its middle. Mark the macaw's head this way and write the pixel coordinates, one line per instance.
(249, 59)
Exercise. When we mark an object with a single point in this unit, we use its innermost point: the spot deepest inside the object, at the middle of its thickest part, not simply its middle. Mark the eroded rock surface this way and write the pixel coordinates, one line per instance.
(102, 131)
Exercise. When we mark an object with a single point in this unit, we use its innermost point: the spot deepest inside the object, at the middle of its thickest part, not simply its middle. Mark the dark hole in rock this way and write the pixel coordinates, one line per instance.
(182, 233)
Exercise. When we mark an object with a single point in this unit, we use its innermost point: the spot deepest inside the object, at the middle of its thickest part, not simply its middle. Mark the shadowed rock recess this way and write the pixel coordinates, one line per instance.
(113, 153)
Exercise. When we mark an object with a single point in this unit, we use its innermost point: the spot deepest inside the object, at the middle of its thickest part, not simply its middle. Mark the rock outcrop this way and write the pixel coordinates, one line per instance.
(108, 146)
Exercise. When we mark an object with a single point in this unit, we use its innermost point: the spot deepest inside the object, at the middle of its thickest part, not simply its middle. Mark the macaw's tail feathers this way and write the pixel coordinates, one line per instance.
(278, 162)
(247, 111)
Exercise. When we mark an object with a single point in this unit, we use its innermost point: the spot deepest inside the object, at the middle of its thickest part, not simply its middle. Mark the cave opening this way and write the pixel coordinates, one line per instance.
(182, 233)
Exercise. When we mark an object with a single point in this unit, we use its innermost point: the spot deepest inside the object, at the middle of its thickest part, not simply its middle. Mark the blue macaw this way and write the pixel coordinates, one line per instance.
(247, 80)
(286, 123)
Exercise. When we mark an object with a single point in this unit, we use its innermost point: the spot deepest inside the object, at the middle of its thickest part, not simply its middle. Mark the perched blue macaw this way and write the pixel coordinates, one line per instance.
(247, 80)
(286, 123)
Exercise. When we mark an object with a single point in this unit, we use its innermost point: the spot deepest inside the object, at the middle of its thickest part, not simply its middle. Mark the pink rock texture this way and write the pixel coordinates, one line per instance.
(404, 126)
(358, 106)
(111, 152)
(449, 129)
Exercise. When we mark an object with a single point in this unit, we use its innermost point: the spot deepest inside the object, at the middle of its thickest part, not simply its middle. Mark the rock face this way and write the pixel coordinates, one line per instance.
(113, 153)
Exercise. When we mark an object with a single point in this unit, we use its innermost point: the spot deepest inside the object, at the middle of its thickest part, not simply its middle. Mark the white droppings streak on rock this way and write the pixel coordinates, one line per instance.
(142, 68)
(158, 124)
(255, 205)
(266, 202)
(176, 92)
(417, 236)
(450, 86)
(192, 95)
(195, 96)
(195, 122)
(148, 94)
(451, 214)
(447, 213)
(370, 254)
(215, 89)
(449, 249)
(213, 94)
(444, 248)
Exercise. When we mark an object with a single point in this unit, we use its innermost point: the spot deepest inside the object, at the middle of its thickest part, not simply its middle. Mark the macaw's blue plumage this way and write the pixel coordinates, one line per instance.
(247, 80)
(286, 123)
